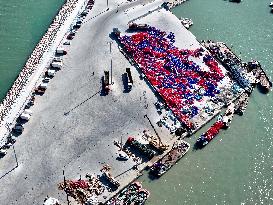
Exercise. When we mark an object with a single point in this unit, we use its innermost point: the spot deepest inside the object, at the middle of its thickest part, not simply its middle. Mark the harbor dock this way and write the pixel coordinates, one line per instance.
(73, 122)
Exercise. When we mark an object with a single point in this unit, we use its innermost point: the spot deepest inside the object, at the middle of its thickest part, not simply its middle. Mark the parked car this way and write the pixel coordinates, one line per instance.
(18, 128)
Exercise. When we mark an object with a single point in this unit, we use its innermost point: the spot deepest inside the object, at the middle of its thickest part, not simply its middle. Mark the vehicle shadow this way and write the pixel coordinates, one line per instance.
(125, 83)
(107, 183)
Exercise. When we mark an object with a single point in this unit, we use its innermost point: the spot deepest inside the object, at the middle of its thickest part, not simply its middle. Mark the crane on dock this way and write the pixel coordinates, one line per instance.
(155, 141)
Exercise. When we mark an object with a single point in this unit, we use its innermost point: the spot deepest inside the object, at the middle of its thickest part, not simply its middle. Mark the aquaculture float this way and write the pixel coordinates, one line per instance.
(132, 194)
(178, 150)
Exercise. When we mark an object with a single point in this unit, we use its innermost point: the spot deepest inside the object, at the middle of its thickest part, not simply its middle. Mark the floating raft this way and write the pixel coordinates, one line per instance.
(178, 150)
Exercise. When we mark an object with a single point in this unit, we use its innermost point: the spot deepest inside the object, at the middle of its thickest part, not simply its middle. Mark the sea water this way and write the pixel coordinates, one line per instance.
(237, 166)
(22, 24)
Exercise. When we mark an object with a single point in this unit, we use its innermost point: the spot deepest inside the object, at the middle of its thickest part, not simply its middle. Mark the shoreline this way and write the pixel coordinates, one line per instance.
(38, 61)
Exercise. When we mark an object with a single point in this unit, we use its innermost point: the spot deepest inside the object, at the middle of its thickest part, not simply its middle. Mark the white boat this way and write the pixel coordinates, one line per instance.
(186, 22)
(271, 4)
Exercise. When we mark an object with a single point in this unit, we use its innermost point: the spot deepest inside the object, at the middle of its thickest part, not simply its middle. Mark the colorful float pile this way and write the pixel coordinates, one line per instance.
(173, 72)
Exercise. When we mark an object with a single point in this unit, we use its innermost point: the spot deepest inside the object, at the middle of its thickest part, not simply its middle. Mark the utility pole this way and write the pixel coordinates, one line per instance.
(110, 45)
(121, 147)
(15, 156)
(65, 188)
(112, 72)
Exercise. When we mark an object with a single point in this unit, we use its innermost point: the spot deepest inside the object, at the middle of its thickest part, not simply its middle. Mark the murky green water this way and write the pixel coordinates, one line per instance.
(237, 166)
(22, 24)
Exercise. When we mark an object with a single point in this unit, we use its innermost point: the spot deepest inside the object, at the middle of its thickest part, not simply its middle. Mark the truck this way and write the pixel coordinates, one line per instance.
(130, 79)
(134, 26)
(106, 85)
(116, 32)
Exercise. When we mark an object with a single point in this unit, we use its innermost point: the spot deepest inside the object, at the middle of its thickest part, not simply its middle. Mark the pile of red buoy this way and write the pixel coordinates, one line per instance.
(173, 72)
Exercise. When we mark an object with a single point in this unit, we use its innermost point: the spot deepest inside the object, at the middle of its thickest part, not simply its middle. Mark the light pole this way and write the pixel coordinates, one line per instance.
(111, 72)
(65, 186)
(110, 46)
(107, 5)
(15, 156)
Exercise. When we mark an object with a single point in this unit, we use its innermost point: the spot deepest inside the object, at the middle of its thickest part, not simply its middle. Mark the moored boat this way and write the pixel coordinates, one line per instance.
(206, 137)
(271, 4)
(242, 103)
(132, 194)
(263, 80)
(265, 83)
(228, 116)
(178, 150)
(186, 22)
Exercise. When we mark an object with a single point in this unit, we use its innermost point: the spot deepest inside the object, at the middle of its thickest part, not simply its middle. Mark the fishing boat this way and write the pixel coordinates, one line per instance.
(178, 150)
(228, 116)
(206, 137)
(186, 22)
(263, 81)
(242, 103)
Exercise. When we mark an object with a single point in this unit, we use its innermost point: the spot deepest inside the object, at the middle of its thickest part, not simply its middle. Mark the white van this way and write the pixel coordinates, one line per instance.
(61, 51)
